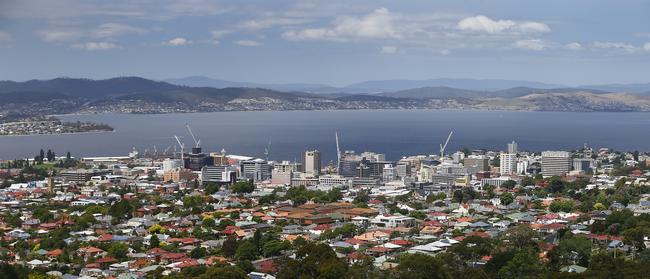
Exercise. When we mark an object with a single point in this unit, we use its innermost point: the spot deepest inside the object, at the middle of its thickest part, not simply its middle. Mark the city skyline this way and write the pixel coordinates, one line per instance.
(572, 43)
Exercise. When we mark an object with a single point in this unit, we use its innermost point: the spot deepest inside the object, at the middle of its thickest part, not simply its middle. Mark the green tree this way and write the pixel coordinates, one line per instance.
(556, 184)
(525, 264)
(243, 187)
(275, 247)
(225, 272)
(509, 184)
(635, 237)
(246, 251)
(229, 246)
(420, 266)
(154, 242)
(313, 261)
(565, 205)
(121, 209)
(198, 252)
(211, 188)
(572, 249)
(118, 250)
(43, 214)
(521, 237)
(506, 198)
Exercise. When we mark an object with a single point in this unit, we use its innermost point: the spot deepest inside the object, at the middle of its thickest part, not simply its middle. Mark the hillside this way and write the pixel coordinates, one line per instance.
(139, 95)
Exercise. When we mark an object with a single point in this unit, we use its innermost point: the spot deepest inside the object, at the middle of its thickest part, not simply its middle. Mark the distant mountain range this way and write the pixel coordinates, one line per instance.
(200, 81)
(140, 95)
(379, 86)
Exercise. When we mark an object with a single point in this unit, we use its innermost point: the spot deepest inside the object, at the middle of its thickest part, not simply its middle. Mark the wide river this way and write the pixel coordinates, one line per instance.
(393, 132)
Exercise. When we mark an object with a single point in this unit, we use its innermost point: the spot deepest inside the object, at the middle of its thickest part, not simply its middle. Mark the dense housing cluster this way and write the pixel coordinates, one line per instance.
(470, 214)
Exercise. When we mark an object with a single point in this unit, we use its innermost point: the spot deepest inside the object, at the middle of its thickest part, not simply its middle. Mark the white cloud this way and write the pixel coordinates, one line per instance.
(646, 46)
(217, 34)
(114, 29)
(193, 8)
(59, 35)
(485, 24)
(533, 27)
(178, 42)
(95, 46)
(389, 49)
(616, 46)
(248, 43)
(574, 46)
(377, 25)
(532, 44)
(259, 24)
(4, 36)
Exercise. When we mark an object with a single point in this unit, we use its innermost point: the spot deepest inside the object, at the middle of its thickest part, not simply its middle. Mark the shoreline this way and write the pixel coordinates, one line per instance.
(59, 134)
(346, 110)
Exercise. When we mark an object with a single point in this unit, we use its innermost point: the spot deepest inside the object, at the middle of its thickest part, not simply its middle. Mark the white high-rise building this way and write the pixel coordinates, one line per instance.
(458, 157)
(255, 169)
(556, 162)
(389, 173)
(508, 163)
(171, 164)
(512, 147)
(522, 167)
(312, 162)
(374, 157)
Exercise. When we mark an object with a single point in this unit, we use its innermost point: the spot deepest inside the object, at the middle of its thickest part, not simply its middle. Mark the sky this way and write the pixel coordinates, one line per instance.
(331, 42)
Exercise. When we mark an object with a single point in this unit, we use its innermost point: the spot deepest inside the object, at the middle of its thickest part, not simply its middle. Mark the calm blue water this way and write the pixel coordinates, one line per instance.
(394, 132)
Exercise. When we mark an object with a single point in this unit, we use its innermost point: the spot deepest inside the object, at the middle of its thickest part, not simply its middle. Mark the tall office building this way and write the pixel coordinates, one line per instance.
(373, 157)
(582, 164)
(508, 163)
(312, 162)
(403, 169)
(284, 171)
(256, 169)
(512, 147)
(196, 159)
(171, 164)
(222, 174)
(476, 163)
(219, 158)
(458, 157)
(556, 162)
(349, 164)
(389, 173)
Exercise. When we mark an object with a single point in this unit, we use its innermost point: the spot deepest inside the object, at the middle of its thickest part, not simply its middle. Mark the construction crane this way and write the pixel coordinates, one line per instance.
(182, 146)
(442, 147)
(267, 150)
(197, 143)
(338, 152)
(167, 150)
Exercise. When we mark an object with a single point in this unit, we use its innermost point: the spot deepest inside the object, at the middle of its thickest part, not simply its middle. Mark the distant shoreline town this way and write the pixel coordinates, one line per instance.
(49, 126)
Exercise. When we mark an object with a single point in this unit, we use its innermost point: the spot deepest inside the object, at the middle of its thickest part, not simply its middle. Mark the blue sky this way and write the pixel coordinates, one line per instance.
(334, 42)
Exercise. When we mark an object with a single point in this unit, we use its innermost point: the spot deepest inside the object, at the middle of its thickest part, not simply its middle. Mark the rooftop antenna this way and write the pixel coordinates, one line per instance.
(197, 143)
(182, 146)
(338, 151)
(442, 147)
(267, 150)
